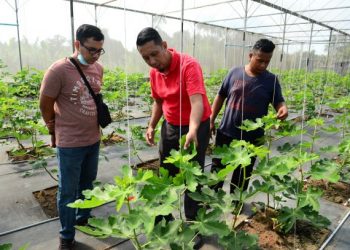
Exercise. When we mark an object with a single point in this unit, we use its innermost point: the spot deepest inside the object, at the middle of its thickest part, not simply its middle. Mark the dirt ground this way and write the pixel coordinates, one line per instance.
(47, 200)
(304, 237)
(338, 192)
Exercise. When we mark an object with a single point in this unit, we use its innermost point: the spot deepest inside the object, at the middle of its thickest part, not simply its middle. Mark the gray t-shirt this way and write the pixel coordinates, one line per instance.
(75, 110)
(259, 92)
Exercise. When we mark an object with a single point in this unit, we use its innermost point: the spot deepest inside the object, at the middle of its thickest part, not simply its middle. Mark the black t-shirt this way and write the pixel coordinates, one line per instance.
(258, 91)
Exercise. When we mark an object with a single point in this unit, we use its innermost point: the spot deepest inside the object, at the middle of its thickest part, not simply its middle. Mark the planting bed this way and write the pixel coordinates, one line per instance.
(303, 237)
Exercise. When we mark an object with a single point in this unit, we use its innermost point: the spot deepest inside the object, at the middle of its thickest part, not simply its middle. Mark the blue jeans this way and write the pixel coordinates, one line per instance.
(77, 171)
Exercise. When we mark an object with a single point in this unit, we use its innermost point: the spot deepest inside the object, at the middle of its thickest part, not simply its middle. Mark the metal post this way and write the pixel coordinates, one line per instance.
(301, 55)
(309, 50)
(335, 53)
(328, 51)
(18, 37)
(244, 31)
(285, 58)
(95, 15)
(283, 39)
(72, 24)
(182, 26)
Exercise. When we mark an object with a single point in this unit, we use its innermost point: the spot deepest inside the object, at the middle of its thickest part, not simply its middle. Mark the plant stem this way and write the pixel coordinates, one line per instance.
(49, 173)
(136, 241)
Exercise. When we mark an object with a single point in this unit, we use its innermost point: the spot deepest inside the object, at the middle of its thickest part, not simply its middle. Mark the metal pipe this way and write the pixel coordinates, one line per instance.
(335, 231)
(309, 50)
(299, 15)
(244, 31)
(95, 15)
(166, 16)
(283, 39)
(18, 37)
(28, 226)
(72, 24)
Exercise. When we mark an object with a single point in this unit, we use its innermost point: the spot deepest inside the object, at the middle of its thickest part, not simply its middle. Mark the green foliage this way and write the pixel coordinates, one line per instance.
(140, 198)
(7, 246)
(26, 83)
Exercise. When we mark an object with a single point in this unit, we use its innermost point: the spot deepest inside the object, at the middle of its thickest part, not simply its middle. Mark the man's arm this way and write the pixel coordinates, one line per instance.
(157, 113)
(217, 105)
(282, 111)
(195, 119)
(46, 104)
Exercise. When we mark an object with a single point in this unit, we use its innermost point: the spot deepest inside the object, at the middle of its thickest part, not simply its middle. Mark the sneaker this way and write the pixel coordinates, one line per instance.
(198, 242)
(66, 244)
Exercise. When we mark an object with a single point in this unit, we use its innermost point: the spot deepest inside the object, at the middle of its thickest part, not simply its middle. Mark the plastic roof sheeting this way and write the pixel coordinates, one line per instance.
(262, 19)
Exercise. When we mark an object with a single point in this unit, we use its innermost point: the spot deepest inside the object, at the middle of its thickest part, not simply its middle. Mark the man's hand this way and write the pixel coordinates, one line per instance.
(51, 127)
(282, 112)
(212, 128)
(191, 137)
(53, 141)
(150, 136)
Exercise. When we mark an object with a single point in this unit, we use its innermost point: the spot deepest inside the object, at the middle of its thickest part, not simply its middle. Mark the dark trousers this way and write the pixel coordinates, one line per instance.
(170, 135)
(237, 175)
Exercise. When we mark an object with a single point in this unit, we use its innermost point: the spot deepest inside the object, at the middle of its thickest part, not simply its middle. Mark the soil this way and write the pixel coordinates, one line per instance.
(47, 197)
(47, 200)
(27, 153)
(112, 139)
(304, 237)
(338, 192)
(210, 149)
(118, 115)
(24, 154)
(151, 165)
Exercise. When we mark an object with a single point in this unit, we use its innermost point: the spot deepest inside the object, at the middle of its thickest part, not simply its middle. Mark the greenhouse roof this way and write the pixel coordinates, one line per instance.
(294, 20)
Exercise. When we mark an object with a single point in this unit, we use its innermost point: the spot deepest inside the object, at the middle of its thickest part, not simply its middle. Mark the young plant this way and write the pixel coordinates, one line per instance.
(238, 155)
(142, 197)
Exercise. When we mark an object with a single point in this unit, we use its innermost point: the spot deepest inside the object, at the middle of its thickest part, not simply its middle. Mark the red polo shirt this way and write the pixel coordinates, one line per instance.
(167, 88)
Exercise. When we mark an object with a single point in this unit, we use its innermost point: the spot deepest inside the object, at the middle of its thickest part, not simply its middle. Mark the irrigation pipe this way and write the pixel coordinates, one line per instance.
(335, 231)
(28, 226)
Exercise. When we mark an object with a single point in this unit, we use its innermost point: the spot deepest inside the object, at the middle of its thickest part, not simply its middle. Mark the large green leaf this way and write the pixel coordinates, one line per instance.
(325, 169)
(310, 197)
(208, 223)
(91, 203)
(239, 240)
(249, 125)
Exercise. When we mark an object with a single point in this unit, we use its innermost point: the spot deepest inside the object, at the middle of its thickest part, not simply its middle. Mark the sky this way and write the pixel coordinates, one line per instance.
(42, 19)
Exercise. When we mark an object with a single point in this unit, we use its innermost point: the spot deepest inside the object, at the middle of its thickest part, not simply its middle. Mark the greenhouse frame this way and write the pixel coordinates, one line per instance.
(298, 195)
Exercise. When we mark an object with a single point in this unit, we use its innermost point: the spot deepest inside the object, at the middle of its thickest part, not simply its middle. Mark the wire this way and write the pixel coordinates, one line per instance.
(127, 91)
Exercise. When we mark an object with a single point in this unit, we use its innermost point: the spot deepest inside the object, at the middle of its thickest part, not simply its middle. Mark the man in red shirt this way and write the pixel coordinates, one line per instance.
(179, 95)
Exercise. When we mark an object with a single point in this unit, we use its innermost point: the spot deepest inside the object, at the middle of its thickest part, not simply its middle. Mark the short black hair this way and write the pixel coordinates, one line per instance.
(86, 31)
(264, 45)
(148, 34)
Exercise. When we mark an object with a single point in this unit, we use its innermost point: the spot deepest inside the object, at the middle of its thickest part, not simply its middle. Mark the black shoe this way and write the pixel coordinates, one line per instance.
(198, 242)
(66, 244)
(83, 221)
(167, 218)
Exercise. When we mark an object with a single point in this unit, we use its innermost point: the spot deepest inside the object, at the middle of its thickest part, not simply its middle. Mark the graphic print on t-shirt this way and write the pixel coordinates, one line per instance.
(81, 96)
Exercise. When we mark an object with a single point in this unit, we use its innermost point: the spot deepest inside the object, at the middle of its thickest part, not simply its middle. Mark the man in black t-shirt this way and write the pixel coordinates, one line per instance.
(255, 88)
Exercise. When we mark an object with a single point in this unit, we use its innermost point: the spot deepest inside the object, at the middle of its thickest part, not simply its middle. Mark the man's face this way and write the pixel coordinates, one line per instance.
(156, 56)
(259, 61)
(91, 50)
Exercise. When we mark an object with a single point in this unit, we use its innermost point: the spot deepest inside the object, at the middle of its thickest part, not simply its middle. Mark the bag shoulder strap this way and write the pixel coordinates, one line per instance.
(84, 78)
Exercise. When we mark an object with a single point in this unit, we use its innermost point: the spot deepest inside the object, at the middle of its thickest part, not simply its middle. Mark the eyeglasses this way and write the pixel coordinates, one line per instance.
(94, 51)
